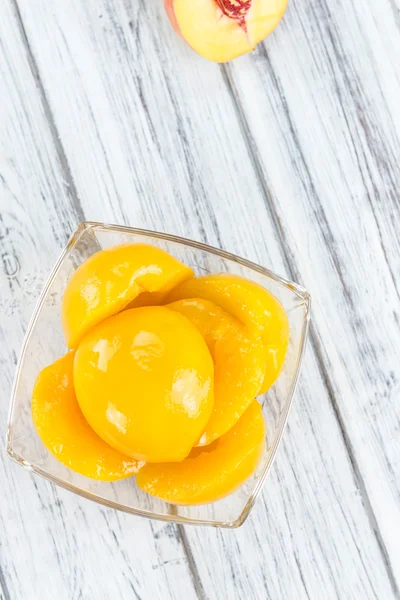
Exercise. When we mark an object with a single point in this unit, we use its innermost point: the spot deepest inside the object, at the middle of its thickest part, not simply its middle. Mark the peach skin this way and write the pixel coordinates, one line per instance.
(65, 432)
(221, 30)
(211, 472)
(239, 363)
(111, 279)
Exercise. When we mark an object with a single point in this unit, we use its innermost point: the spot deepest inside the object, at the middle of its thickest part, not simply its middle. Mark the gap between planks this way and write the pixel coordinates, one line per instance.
(67, 174)
(4, 593)
(62, 157)
(290, 264)
(294, 274)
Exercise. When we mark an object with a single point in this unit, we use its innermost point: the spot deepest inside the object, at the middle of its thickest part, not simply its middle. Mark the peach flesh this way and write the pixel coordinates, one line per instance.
(221, 30)
(235, 10)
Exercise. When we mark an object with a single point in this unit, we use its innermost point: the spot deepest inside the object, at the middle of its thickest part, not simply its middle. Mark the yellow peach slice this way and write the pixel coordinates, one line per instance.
(210, 472)
(239, 363)
(221, 30)
(110, 279)
(144, 380)
(65, 432)
(252, 305)
(148, 299)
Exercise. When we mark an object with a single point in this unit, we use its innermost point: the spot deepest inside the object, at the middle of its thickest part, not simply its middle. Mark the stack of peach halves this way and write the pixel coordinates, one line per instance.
(162, 375)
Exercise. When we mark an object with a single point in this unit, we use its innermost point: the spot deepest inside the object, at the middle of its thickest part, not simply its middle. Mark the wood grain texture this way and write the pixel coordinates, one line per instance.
(148, 134)
(52, 545)
(309, 536)
(340, 117)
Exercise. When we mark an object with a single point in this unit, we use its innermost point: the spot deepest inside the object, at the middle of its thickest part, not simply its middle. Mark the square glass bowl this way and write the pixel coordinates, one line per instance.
(44, 343)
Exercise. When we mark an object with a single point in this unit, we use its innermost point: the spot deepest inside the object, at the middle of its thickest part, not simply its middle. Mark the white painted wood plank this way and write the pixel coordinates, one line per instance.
(160, 146)
(52, 544)
(325, 92)
(308, 523)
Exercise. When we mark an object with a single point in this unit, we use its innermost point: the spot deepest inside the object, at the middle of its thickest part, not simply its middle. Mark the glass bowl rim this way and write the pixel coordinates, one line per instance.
(87, 226)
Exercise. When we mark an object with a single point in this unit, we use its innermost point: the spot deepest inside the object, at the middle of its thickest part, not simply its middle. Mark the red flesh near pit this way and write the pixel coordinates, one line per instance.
(235, 9)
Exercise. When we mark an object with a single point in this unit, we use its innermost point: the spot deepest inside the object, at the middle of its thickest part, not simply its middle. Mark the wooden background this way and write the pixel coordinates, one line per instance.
(291, 158)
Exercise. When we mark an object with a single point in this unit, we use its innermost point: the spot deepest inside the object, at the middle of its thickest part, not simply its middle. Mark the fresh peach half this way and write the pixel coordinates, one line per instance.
(221, 30)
